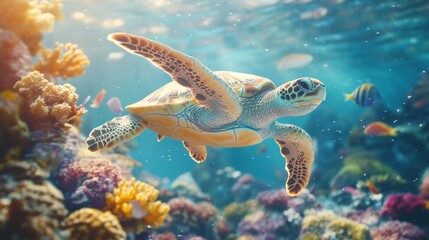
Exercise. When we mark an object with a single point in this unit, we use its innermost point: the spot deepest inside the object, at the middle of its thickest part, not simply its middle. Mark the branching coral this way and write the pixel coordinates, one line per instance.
(134, 203)
(65, 61)
(396, 230)
(28, 19)
(49, 104)
(89, 223)
(15, 59)
(327, 225)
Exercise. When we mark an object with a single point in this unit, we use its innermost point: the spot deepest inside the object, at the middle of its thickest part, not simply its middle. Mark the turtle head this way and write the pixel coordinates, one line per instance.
(300, 96)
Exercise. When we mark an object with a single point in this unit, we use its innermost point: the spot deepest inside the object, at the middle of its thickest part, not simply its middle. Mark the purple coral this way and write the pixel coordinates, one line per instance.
(262, 226)
(189, 217)
(275, 200)
(247, 187)
(396, 230)
(86, 181)
(406, 207)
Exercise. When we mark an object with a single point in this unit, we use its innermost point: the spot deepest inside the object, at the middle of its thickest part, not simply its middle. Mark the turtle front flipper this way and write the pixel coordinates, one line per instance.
(115, 131)
(198, 153)
(207, 87)
(296, 146)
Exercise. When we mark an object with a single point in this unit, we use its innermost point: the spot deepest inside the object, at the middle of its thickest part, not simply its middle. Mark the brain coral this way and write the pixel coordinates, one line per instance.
(134, 203)
(50, 105)
(28, 19)
(89, 223)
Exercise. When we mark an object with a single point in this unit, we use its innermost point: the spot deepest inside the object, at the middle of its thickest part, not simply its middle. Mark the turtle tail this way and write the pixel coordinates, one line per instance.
(115, 131)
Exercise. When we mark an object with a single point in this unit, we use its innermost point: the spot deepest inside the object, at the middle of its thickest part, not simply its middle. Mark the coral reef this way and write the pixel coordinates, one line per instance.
(65, 61)
(276, 200)
(188, 217)
(87, 180)
(134, 203)
(89, 223)
(15, 59)
(50, 105)
(234, 212)
(406, 207)
(396, 230)
(326, 224)
(28, 19)
(84, 177)
(387, 183)
(247, 187)
(359, 166)
(14, 131)
(32, 208)
(185, 186)
(260, 225)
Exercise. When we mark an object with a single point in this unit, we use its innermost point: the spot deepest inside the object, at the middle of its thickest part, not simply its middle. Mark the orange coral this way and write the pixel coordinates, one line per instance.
(28, 19)
(90, 223)
(49, 104)
(65, 61)
(135, 204)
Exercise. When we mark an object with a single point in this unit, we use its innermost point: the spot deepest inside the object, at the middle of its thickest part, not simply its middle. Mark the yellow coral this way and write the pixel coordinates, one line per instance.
(49, 104)
(89, 223)
(135, 202)
(28, 19)
(65, 61)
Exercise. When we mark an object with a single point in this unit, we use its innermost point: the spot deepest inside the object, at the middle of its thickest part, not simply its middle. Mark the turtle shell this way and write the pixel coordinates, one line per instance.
(164, 111)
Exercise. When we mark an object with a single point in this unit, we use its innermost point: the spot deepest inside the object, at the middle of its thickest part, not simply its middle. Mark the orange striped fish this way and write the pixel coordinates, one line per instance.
(379, 129)
(365, 95)
(371, 187)
(98, 99)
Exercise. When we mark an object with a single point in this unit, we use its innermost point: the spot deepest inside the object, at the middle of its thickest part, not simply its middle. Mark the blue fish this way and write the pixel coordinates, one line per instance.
(365, 95)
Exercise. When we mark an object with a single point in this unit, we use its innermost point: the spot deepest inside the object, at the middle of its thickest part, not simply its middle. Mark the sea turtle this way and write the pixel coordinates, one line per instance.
(216, 108)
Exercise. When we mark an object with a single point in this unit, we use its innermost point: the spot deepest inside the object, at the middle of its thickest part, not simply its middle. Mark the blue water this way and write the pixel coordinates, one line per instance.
(354, 42)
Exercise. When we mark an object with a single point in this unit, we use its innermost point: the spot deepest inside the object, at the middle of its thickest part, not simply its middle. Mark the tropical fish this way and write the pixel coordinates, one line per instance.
(294, 60)
(380, 129)
(115, 105)
(365, 95)
(351, 190)
(420, 103)
(371, 187)
(98, 99)
(115, 56)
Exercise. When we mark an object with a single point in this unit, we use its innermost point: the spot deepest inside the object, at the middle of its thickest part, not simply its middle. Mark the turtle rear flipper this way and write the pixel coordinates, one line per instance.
(115, 131)
(296, 147)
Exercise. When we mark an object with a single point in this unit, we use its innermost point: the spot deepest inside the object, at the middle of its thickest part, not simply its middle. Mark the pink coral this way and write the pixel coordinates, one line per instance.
(406, 207)
(15, 59)
(86, 181)
(396, 230)
(274, 200)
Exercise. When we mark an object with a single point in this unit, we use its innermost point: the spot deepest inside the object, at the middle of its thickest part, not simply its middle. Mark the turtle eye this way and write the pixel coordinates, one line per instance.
(304, 84)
